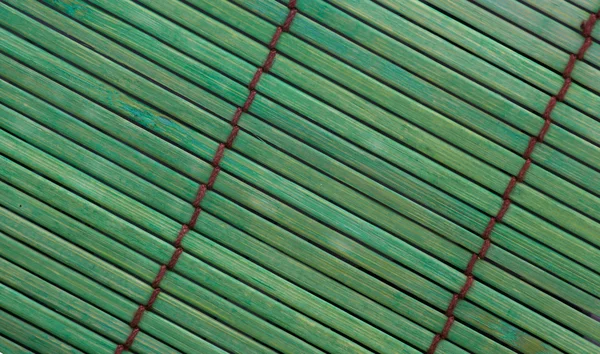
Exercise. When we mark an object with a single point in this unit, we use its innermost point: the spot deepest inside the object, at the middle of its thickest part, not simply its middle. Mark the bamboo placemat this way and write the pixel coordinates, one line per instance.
(303, 176)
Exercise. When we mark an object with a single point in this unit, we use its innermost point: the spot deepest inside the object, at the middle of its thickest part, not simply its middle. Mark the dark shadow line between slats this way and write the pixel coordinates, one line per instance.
(320, 272)
(122, 217)
(408, 217)
(109, 160)
(415, 98)
(16, 109)
(160, 85)
(133, 301)
(574, 3)
(421, 249)
(80, 145)
(235, 79)
(441, 138)
(203, 260)
(456, 172)
(217, 268)
(508, 270)
(441, 163)
(543, 314)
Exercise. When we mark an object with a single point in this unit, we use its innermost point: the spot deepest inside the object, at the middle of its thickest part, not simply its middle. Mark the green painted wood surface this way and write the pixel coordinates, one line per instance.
(63, 124)
(587, 204)
(73, 308)
(342, 299)
(370, 161)
(589, 5)
(381, 124)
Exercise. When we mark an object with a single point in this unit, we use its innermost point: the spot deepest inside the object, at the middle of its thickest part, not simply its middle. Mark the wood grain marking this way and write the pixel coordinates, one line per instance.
(586, 30)
(204, 187)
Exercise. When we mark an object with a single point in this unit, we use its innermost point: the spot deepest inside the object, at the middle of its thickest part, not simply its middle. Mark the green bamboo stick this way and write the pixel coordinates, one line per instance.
(589, 5)
(555, 33)
(10, 347)
(58, 123)
(109, 170)
(125, 181)
(53, 322)
(29, 133)
(360, 32)
(36, 339)
(516, 140)
(87, 137)
(444, 300)
(511, 35)
(440, 274)
(202, 298)
(269, 181)
(103, 298)
(563, 11)
(111, 276)
(82, 313)
(56, 97)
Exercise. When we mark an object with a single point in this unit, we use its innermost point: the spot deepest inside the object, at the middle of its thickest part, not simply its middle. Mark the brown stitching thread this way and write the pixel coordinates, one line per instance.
(203, 188)
(586, 27)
